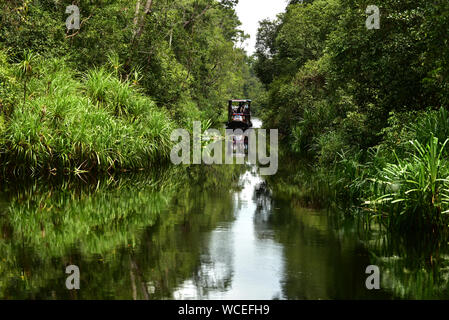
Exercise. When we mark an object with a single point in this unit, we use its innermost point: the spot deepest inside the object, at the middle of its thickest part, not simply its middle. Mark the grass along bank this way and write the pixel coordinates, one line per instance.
(56, 120)
(402, 183)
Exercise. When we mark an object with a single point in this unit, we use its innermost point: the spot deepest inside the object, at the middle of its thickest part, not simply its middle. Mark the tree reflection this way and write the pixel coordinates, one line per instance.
(133, 237)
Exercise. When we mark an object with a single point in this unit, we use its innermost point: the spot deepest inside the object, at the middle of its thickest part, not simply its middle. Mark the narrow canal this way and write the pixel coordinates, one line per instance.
(212, 232)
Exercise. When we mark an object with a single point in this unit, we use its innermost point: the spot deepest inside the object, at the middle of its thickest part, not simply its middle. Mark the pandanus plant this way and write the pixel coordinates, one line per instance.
(114, 62)
(416, 189)
(26, 69)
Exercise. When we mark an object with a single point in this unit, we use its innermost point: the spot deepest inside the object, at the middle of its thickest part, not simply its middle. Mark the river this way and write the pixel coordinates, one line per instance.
(205, 232)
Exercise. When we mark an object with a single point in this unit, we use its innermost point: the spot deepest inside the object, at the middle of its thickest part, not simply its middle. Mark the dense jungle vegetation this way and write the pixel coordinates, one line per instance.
(107, 96)
(362, 115)
(367, 107)
(364, 109)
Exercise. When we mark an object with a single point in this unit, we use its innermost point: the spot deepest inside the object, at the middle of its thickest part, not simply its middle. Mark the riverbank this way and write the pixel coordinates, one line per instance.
(105, 97)
(368, 113)
(69, 123)
(201, 232)
(402, 182)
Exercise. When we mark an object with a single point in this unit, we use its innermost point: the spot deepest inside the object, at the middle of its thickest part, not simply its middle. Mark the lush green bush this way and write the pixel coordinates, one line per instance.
(412, 194)
(433, 123)
(113, 126)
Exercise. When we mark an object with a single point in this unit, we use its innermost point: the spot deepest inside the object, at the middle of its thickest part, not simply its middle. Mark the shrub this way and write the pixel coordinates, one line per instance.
(113, 127)
(412, 193)
(433, 123)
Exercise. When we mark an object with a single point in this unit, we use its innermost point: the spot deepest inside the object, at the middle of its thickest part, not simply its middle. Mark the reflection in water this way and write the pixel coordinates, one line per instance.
(414, 268)
(209, 232)
(238, 264)
(134, 237)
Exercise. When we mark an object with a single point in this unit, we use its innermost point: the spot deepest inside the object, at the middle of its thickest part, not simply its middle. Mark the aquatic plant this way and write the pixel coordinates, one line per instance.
(413, 193)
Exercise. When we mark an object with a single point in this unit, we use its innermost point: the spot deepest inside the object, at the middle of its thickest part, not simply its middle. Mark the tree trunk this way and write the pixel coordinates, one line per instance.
(136, 18)
(146, 11)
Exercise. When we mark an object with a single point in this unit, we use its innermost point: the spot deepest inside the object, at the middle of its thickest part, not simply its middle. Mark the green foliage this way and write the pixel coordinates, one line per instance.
(140, 73)
(113, 127)
(414, 191)
(323, 51)
(352, 98)
(185, 50)
(433, 123)
(8, 93)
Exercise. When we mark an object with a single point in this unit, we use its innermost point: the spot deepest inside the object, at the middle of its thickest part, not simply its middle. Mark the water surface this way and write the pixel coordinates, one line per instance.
(203, 232)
